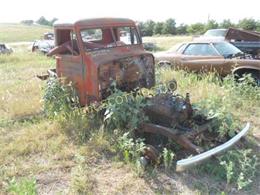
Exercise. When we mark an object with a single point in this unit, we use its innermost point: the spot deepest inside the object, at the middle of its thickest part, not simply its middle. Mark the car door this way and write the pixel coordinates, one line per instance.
(201, 57)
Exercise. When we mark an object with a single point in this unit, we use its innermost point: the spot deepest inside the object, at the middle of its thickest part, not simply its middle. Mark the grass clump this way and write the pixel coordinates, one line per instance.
(81, 182)
(22, 187)
(168, 157)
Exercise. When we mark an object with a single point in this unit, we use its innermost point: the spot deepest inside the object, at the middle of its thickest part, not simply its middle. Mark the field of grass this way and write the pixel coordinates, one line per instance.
(20, 32)
(165, 43)
(40, 156)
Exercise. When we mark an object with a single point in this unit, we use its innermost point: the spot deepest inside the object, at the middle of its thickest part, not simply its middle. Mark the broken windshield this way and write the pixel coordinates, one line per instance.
(101, 38)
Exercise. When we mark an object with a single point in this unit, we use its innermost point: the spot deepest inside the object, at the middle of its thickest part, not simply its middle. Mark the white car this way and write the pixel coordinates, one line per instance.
(4, 49)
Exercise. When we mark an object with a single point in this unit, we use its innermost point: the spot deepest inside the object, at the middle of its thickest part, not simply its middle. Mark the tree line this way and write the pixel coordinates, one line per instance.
(42, 21)
(169, 27)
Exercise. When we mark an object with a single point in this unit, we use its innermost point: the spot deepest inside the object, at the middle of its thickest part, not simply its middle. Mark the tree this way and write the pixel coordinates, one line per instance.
(181, 29)
(43, 21)
(197, 28)
(148, 28)
(53, 20)
(247, 24)
(169, 27)
(212, 24)
(141, 27)
(226, 24)
(258, 26)
(158, 27)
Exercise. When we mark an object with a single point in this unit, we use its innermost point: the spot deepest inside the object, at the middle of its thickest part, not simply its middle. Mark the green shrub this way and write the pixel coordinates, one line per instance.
(223, 122)
(130, 148)
(237, 167)
(240, 167)
(124, 111)
(59, 97)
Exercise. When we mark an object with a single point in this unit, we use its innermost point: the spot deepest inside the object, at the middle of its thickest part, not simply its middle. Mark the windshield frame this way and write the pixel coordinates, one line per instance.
(133, 30)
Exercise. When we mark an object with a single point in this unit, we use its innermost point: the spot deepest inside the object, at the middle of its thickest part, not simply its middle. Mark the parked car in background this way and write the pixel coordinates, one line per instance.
(246, 41)
(208, 56)
(4, 49)
(43, 46)
(218, 34)
(48, 36)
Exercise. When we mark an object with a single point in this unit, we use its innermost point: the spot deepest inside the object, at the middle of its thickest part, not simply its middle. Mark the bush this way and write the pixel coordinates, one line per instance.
(223, 122)
(59, 97)
(132, 151)
(124, 111)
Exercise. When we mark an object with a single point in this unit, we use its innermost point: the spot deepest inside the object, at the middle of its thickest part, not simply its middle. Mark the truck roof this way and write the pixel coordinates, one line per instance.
(94, 22)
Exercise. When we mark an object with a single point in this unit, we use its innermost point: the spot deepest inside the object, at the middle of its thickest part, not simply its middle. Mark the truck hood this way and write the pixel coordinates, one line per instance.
(111, 54)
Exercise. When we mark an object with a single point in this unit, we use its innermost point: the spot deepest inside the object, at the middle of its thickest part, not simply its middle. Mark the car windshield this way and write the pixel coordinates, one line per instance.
(101, 38)
(226, 49)
(216, 32)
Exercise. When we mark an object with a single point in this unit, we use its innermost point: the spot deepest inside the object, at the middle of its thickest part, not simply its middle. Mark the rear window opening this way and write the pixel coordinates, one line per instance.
(67, 41)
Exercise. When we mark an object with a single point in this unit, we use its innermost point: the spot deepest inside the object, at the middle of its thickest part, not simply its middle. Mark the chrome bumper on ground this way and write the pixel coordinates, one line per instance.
(194, 160)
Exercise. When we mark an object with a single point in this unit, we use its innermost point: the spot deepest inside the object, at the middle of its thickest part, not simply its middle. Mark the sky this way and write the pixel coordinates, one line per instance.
(183, 11)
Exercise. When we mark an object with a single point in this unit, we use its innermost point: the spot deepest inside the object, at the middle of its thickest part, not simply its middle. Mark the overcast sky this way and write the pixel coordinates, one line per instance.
(184, 11)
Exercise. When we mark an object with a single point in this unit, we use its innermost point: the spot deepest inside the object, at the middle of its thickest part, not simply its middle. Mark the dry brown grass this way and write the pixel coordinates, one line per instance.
(165, 43)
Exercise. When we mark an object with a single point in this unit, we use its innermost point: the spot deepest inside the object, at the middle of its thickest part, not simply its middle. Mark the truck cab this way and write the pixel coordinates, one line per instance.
(94, 53)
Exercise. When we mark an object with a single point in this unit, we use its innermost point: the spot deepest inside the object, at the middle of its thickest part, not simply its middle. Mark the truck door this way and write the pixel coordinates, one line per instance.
(69, 62)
